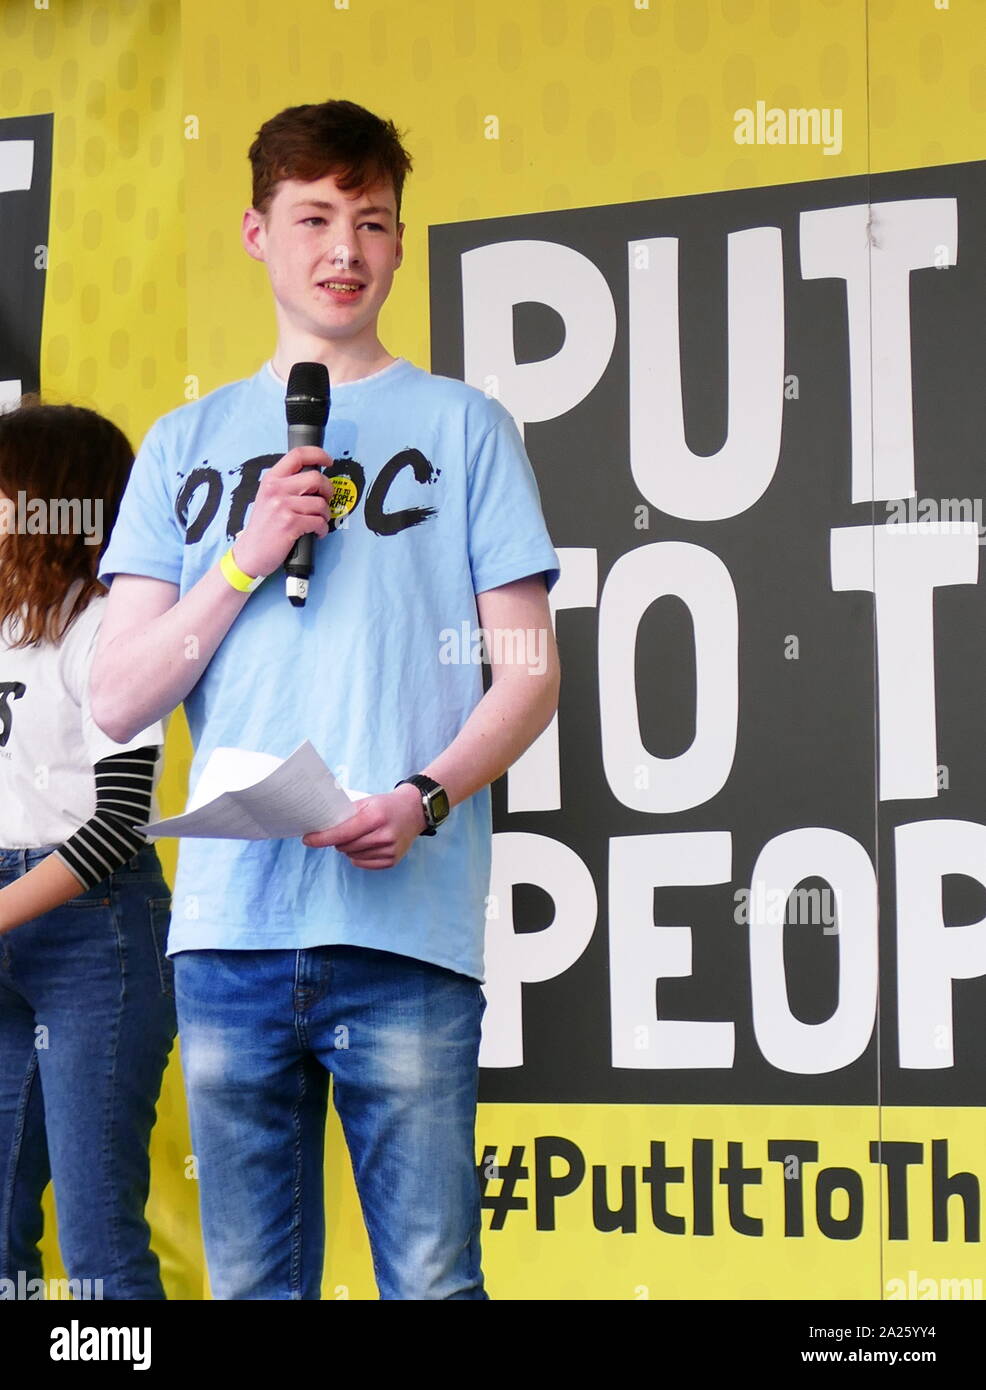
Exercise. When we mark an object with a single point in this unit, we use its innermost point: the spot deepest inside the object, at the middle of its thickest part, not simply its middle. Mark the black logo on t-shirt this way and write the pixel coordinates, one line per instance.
(8, 690)
(201, 494)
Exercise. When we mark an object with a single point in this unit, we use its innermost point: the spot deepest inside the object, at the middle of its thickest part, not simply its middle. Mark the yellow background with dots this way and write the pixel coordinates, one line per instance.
(509, 108)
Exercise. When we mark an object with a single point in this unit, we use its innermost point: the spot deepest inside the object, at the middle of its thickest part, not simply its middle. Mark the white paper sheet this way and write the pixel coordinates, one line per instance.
(255, 796)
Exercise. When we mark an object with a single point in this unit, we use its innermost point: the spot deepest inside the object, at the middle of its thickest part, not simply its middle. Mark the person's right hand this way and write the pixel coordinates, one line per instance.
(289, 502)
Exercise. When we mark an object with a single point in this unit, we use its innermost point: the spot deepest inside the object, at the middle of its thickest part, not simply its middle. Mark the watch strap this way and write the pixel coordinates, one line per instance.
(426, 786)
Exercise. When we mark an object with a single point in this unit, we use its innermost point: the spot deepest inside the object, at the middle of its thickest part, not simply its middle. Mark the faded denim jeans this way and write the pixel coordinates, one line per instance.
(261, 1032)
(87, 1020)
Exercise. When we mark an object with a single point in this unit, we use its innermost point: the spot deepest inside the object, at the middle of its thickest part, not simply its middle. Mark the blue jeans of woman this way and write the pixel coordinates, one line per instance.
(261, 1033)
(87, 1020)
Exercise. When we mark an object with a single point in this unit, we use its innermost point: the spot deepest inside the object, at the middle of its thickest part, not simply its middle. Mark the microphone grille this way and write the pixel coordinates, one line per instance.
(307, 398)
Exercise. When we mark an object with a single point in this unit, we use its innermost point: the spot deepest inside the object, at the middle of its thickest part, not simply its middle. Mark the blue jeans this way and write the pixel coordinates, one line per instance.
(87, 1019)
(261, 1032)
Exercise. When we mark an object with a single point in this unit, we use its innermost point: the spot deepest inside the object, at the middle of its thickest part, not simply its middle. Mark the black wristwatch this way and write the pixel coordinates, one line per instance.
(434, 800)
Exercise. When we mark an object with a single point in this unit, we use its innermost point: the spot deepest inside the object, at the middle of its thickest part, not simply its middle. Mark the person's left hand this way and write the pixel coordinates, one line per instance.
(379, 833)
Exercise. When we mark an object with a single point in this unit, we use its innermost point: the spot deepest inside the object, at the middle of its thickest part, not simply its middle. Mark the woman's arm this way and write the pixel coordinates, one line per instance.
(108, 839)
(46, 886)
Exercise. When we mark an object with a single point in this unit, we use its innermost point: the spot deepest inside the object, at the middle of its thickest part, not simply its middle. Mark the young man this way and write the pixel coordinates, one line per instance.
(355, 952)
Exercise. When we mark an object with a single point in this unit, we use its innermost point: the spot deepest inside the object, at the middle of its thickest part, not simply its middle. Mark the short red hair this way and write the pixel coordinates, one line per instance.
(334, 137)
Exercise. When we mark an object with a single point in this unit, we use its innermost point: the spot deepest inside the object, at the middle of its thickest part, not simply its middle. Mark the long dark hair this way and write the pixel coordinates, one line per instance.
(65, 454)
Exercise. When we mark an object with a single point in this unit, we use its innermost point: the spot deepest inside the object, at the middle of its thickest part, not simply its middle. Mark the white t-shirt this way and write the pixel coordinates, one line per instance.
(49, 741)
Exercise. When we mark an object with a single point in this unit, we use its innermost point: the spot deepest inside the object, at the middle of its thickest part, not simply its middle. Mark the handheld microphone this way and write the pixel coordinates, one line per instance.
(306, 406)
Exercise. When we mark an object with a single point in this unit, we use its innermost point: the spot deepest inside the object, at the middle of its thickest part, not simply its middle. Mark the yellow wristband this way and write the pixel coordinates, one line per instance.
(239, 579)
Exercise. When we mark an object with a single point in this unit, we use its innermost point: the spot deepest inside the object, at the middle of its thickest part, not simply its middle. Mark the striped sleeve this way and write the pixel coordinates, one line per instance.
(124, 783)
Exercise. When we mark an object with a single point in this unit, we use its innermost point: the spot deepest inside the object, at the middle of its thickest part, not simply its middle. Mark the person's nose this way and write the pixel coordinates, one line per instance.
(346, 252)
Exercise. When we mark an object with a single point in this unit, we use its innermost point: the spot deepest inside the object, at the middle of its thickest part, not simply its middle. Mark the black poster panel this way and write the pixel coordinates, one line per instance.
(932, 1045)
(25, 199)
(806, 742)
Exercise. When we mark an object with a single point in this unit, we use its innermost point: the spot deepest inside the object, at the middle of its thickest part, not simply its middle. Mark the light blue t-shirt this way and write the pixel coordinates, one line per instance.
(448, 507)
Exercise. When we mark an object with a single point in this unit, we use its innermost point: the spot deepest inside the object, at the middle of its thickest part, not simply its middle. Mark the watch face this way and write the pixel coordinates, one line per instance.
(438, 801)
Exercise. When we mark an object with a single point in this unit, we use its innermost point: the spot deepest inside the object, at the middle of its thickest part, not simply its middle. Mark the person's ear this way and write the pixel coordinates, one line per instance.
(253, 233)
(400, 244)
